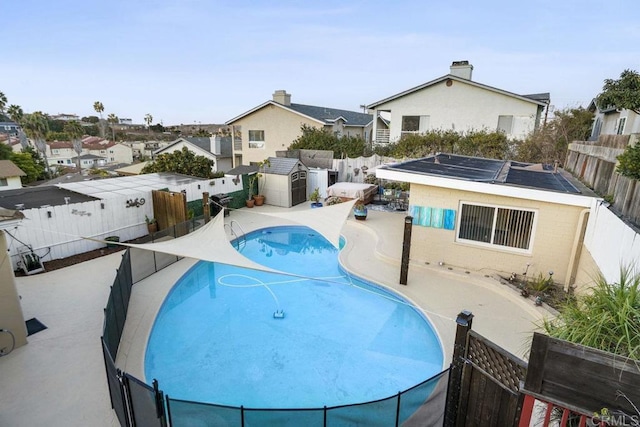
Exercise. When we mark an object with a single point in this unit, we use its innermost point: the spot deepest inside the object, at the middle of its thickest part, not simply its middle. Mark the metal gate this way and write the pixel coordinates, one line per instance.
(298, 187)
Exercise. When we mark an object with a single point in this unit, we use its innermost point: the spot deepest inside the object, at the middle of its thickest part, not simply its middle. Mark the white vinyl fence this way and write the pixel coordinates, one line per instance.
(612, 243)
(354, 170)
(57, 231)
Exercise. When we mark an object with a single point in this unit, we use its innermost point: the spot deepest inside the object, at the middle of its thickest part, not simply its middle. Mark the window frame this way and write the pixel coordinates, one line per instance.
(491, 244)
(512, 123)
(620, 125)
(424, 122)
(255, 143)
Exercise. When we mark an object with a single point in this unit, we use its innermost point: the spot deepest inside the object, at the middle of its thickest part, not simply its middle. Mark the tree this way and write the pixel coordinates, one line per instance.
(550, 142)
(148, 118)
(607, 318)
(313, 138)
(184, 162)
(28, 165)
(36, 128)
(113, 120)
(75, 132)
(99, 108)
(90, 119)
(629, 161)
(15, 113)
(5, 152)
(3, 102)
(202, 133)
(621, 93)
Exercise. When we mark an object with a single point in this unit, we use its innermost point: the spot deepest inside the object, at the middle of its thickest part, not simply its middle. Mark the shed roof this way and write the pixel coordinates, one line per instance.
(282, 165)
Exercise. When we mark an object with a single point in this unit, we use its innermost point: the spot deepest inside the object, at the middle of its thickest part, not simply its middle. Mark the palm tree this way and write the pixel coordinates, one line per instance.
(75, 132)
(3, 102)
(99, 108)
(36, 128)
(113, 119)
(148, 118)
(17, 115)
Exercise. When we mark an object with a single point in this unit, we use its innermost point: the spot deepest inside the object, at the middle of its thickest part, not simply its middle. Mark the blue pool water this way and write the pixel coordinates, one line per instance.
(341, 341)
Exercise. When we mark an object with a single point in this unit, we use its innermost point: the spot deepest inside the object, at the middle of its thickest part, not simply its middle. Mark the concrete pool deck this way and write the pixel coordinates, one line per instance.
(58, 379)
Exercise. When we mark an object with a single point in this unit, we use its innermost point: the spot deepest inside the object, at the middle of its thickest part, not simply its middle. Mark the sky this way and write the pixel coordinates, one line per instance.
(208, 61)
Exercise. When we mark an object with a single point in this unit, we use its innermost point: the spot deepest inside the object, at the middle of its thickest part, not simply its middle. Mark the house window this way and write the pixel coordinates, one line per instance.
(3, 182)
(505, 124)
(620, 127)
(496, 226)
(55, 151)
(256, 139)
(414, 124)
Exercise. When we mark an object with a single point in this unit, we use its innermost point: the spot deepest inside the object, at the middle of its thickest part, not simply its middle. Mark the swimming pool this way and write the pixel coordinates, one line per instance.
(219, 336)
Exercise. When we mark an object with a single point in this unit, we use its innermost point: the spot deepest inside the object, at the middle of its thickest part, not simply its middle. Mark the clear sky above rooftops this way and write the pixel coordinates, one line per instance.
(208, 61)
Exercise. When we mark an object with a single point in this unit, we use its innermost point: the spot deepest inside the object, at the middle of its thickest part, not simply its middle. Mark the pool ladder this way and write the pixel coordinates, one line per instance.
(239, 240)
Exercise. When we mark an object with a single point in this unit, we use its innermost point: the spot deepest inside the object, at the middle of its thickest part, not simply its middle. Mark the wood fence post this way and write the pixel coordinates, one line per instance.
(463, 321)
(406, 248)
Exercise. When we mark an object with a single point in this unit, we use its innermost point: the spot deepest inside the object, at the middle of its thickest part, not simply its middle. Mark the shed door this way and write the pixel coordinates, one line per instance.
(298, 187)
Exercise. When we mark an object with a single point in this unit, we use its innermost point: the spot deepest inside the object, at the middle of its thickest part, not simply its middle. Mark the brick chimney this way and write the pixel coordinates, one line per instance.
(461, 69)
(282, 97)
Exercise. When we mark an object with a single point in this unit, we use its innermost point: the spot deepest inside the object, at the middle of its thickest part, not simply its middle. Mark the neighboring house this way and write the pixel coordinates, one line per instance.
(455, 102)
(10, 175)
(66, 117)
(9, 128)
(103, 152)
(613, 121)
(495, 216)
(216, 148)
(275, 124)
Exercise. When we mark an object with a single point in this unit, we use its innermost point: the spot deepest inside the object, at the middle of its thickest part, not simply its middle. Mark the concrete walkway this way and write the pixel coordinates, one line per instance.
(58, 379)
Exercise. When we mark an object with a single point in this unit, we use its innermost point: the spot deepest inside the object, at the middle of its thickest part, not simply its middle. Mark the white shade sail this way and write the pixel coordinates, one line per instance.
(210, 242)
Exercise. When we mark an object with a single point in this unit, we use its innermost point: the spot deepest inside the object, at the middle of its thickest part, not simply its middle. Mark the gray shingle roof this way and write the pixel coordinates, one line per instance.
(281, 165)
(327, 115)
(200, 141)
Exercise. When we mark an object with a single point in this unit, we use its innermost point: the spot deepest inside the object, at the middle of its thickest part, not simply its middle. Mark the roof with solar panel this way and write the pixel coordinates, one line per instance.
(501, 172)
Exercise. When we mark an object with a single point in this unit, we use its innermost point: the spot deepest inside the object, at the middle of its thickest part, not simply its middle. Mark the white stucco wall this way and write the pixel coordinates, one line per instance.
(461, 107)
(120, 153)
(13, 182)
(610, 122)
(281, 127)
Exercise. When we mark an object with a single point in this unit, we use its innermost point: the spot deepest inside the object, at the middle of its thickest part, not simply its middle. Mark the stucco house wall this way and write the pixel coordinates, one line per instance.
(13, 182)
(556, 226)
(120, 153)
(461, 107)
(281, 127)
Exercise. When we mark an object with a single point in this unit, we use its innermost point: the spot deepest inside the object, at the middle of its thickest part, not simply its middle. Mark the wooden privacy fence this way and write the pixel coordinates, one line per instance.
(485, 381)
(169, 208)
(578, 381)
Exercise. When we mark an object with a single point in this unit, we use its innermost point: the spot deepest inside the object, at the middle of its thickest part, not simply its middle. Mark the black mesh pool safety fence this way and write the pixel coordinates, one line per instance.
(421, 405)
(138, 404)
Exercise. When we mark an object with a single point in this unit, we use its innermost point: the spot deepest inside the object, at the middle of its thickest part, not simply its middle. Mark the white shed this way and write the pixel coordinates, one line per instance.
(284, 182)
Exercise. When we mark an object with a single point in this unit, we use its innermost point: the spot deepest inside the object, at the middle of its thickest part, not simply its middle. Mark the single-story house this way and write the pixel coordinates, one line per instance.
(10, 175)
(273, 125)
(495, 215)
(456, 102)
(216, 148)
